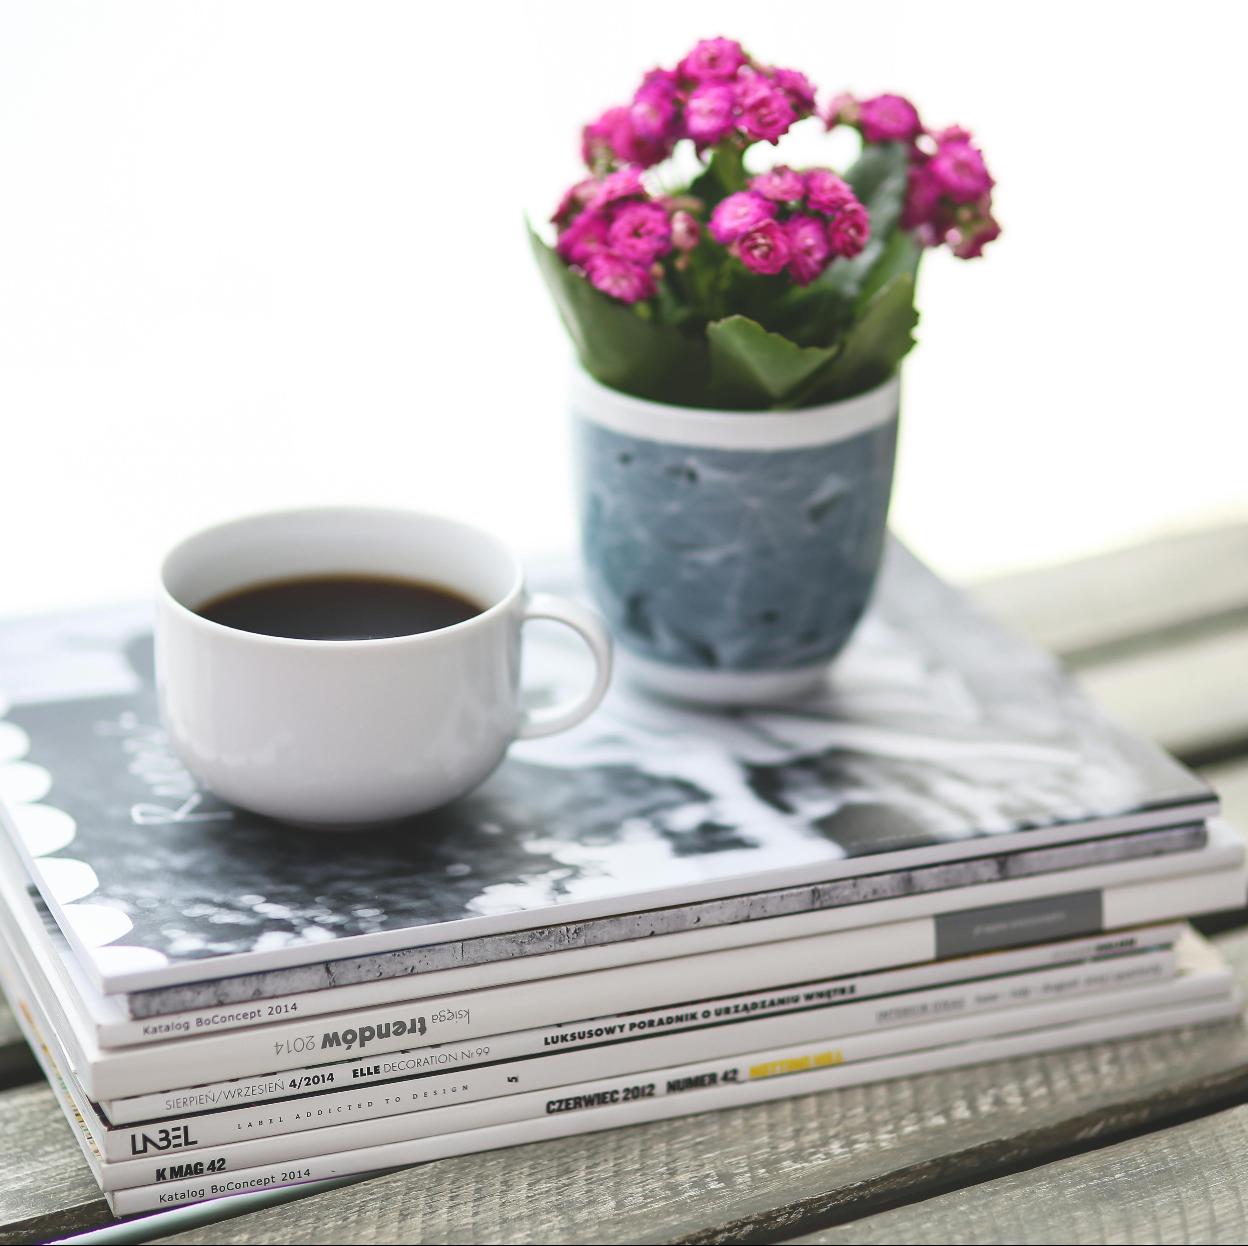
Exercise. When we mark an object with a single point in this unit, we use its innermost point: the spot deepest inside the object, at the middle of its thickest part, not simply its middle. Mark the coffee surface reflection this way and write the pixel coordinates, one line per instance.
(339, 607)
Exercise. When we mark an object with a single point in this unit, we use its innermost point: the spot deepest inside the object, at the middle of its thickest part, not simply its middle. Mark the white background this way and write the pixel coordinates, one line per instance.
(258, 253)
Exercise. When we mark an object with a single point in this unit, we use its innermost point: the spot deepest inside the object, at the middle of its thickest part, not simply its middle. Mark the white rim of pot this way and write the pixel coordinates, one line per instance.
(734, 430)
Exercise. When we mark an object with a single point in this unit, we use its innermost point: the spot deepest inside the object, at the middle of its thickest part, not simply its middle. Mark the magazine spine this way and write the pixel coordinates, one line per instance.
(806, 1077)
(442, 1102)
(365, 1071)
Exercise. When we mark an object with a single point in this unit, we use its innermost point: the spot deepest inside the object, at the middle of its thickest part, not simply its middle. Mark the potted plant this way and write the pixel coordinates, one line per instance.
(739, 332)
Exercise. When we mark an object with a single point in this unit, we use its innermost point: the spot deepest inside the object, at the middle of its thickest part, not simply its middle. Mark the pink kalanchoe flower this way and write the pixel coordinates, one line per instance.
(781, 185)
(849, 231)
(766, 113)
(619, 278)
(659, 82)
(922, 205)
(840, 110)
(971, 244)
(826, 192)
(599, 137)
(765, 249)
(652, 117)
(959, 171)
(797, 87)
(584, 237)
(973, 228)
(738, 214)
(932, 213)
(712, 60)
(951, 134)
(809, 248)
(641, 232)
(710, 113)
(624, 183)
(653, 113)
(613, 139)
(574, 199)
(685, 230)
(889, 119)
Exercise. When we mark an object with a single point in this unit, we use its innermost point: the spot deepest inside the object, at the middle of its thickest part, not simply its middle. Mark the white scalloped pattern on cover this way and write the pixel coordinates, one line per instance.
(68, 879)
(23, 783)
(46, 830)
(13, 742)
(97, 925)
(122, 957)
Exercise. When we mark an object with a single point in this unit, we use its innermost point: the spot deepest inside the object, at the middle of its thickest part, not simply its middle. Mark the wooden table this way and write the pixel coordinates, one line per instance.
(1138, 1141)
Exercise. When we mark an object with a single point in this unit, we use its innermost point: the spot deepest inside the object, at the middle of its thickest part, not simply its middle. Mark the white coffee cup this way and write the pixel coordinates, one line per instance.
(332, 732)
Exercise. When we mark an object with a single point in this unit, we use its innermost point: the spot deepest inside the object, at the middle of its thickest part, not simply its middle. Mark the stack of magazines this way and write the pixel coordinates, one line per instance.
(949, 856)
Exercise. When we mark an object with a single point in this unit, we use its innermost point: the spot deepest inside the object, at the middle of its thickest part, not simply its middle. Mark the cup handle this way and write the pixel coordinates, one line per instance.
(593, 631)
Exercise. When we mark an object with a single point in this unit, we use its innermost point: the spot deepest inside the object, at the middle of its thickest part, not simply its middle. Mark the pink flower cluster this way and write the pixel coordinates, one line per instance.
(949, 194)
(786, 219)
(714, 93)
(612, 230)
(949, 191)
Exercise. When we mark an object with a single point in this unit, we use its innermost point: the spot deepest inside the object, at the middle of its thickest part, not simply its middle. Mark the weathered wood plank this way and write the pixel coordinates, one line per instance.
(1149, 593)
(1158, 634)
(46, 1188)
(769, 1171)
(1183, 1184)
(17, 1065)
(1191, 696)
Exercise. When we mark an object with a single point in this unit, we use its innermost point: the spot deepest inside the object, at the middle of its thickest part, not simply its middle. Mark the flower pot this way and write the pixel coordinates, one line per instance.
(732, 553)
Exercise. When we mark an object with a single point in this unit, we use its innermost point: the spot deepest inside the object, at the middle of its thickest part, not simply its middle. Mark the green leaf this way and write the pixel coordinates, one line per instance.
(617, 344)
(723, 175)
(879, 340)
(879, 178)
(752, 369)
(899, 255)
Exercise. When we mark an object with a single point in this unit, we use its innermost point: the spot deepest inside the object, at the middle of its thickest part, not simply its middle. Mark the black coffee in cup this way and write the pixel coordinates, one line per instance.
(339, 607)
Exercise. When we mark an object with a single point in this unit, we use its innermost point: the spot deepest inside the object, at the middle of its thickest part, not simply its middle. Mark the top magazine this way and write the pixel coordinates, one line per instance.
(938, 737)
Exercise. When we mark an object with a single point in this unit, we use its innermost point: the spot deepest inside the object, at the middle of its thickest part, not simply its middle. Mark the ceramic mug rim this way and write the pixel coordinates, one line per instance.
(189, 616)
(734, 430)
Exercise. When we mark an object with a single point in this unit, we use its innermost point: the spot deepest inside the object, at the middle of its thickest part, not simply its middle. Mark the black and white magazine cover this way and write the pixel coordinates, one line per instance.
(938, 736)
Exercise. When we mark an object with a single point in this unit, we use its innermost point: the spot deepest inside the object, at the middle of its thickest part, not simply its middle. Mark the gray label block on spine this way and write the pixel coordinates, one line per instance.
(1027, 921)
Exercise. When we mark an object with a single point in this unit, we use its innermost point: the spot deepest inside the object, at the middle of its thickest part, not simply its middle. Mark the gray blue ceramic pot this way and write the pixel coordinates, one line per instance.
(733, 553)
